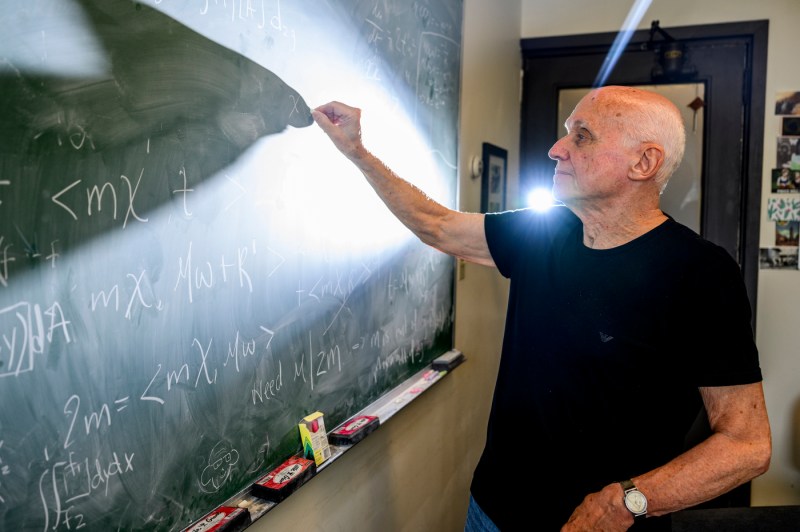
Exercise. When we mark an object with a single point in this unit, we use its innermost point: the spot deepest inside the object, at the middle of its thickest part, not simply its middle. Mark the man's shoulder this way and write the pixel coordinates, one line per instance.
(556, 216)
(686, 243)
(516, 235)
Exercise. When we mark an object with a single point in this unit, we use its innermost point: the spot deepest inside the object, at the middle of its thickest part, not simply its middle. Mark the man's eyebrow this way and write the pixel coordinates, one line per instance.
(577, 124)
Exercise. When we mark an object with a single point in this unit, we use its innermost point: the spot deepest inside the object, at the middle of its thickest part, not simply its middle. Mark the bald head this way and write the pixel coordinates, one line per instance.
(645, 117)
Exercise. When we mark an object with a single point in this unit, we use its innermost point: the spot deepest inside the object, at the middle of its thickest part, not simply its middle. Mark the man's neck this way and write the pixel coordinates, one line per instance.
(606, 230)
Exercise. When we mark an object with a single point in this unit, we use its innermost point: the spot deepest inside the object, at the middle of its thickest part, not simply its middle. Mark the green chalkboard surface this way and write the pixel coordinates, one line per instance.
(187, 266)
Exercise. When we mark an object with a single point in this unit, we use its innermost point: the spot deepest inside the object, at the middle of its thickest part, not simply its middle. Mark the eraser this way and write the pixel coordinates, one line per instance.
(314, 438)
(284, 479)
(223, 519)
(448, 361)
(354, 430)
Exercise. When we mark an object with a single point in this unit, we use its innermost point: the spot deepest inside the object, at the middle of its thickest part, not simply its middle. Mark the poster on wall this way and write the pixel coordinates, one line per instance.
(786, 233)
(783, 208)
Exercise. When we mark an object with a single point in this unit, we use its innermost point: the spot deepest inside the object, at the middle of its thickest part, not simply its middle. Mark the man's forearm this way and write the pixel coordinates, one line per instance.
(738, 450)
(712, 468)
(415, 209)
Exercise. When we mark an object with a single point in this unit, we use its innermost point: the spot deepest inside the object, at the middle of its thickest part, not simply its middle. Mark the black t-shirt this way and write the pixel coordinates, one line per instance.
(603, 354)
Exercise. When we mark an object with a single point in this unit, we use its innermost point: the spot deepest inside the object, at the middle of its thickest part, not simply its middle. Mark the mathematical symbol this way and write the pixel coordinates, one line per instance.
(119, 401)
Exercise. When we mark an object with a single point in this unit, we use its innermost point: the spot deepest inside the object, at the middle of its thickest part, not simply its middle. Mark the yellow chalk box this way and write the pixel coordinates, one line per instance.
(314, 438)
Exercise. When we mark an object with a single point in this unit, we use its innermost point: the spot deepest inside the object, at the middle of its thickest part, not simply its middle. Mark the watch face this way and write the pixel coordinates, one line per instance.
(635, 501)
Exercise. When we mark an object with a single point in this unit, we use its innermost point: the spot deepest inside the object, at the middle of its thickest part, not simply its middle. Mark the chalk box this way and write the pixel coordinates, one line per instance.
(354, 430)
(285, 479)
(314, 438)
(223, 519)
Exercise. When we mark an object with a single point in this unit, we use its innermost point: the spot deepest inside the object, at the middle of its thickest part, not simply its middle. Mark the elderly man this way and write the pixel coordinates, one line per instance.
(621, 324)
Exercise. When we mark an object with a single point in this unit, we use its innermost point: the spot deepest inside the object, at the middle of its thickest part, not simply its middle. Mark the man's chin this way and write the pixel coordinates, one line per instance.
(559, 194)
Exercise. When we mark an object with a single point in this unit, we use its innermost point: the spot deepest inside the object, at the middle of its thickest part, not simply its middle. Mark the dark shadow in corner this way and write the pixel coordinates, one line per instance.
(82, 156)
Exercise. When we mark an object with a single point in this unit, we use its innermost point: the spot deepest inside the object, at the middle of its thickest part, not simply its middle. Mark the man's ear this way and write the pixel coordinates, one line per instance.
(651, 159)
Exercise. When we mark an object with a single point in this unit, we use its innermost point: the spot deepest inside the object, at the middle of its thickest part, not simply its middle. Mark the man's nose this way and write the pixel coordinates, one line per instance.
(558, 152)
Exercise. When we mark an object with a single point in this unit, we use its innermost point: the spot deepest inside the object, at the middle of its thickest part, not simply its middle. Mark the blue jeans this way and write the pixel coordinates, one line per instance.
(477, 521)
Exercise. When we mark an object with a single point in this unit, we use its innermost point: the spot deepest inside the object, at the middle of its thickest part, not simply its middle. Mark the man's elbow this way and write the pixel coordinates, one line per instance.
(431, 234)
(760, 455)
(435, 230)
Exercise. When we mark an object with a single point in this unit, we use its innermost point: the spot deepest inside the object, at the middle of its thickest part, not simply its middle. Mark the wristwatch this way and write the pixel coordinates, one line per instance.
(635, 501)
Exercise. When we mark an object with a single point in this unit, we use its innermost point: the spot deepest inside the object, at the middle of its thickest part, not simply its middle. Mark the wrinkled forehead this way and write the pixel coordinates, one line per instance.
(595, 111)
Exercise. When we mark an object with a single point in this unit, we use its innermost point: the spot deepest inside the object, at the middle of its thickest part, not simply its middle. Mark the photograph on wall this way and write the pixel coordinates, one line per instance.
(493, 185)
(785, 180)
(777, 258)
(786, 233)
(788, 154)
(787, 103)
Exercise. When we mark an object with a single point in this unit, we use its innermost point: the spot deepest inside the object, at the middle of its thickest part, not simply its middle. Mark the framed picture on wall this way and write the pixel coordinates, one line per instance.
(493, 185)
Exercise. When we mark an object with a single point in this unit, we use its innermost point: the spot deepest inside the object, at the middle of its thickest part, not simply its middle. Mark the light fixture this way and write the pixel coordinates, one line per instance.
(671, 57)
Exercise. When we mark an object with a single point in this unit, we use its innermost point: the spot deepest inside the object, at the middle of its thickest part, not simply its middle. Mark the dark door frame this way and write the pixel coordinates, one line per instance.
(732, 168)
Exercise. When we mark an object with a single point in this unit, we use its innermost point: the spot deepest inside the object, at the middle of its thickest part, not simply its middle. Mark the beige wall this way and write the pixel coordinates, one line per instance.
(778, 291)
(413, 474)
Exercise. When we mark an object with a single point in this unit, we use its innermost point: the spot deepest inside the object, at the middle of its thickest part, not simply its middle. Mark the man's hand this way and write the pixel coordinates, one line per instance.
(601, 512)
(342, 124)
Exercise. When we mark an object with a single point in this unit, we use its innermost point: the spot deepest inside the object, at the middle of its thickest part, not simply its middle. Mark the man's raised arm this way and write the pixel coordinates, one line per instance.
(455, 233)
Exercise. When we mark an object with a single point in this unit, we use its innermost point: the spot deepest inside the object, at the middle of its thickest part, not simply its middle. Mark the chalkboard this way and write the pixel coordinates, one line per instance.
(187, 266)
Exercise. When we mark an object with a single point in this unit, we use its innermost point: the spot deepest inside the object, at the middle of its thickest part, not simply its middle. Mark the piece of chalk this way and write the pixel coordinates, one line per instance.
(285, 479)
(223, 519)
(448, 361)
(354, 430)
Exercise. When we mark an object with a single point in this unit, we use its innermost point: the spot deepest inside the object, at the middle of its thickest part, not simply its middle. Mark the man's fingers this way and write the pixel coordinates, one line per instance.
(320, 118)
(338, 113)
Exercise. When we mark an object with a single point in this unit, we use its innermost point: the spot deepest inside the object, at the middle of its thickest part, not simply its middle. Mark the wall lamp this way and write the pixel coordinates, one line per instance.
(671, 58)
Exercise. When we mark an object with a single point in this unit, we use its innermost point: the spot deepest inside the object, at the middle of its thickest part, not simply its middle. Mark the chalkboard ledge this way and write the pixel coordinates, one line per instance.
(384, 408)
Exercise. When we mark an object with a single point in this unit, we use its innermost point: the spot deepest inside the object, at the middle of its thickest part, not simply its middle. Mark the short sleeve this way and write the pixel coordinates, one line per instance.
(512, 235)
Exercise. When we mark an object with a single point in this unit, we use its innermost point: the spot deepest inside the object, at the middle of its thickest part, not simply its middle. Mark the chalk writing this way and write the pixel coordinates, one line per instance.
(267, 389)
(68, 481)
(71, 410)
(5, 260)
(95, 201)
(239, 348)
(266, 14)
(201, 277)
(339, 285)
(25, 332)
(184, 192)
(319, 363)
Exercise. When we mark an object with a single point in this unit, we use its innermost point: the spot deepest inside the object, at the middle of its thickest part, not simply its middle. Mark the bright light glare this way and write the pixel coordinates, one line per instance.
(52, 41)
(635, 15)
(541, 199)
